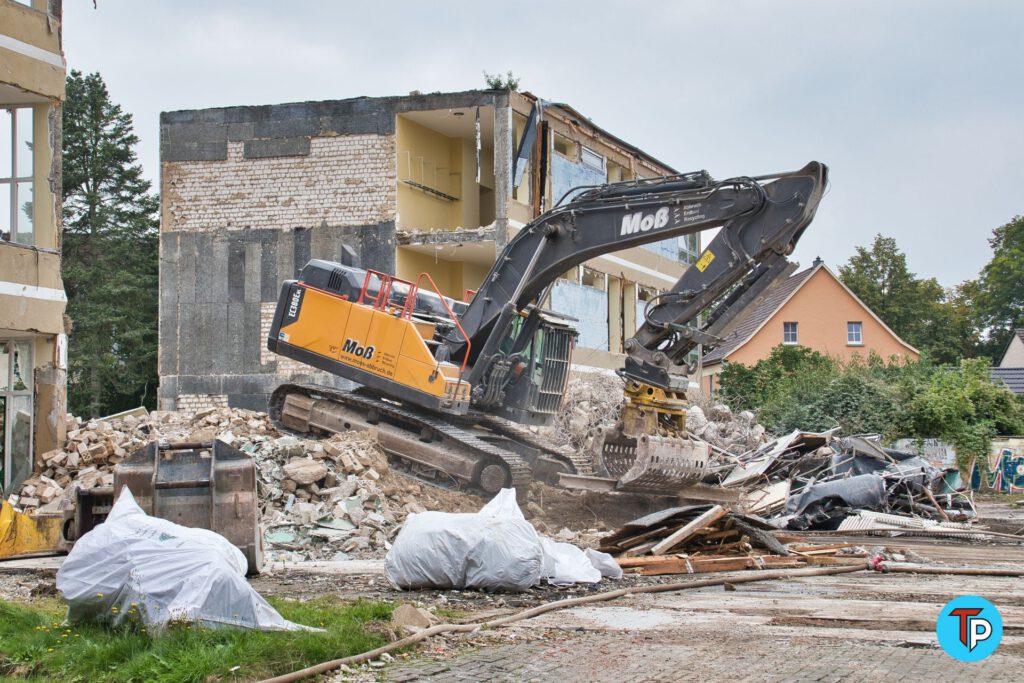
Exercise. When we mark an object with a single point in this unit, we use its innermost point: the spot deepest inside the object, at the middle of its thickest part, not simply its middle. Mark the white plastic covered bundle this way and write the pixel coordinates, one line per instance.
(494, 549)
(137, 567)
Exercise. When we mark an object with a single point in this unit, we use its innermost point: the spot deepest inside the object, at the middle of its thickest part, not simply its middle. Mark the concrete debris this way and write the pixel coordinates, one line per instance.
(409, 619)
(594, 399)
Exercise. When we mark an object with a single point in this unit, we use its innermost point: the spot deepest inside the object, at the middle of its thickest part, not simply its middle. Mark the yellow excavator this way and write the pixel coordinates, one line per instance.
(450, 386)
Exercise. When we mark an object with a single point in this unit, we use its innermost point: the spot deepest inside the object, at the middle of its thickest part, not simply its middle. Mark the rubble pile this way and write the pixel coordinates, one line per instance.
(591, 399)
(733, 433)
(594, 398)
(87, 460)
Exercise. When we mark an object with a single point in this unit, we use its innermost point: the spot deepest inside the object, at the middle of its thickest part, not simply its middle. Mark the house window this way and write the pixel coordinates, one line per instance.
(15, 412)
(854, 336)
(789, 333)
(16, 185)
(592, 158)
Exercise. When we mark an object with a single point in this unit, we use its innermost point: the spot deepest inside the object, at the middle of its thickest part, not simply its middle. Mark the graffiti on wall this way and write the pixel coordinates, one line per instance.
(1005, 467)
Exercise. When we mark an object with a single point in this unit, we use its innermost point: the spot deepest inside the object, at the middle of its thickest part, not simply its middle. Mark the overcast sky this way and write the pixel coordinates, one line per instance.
(915, 105)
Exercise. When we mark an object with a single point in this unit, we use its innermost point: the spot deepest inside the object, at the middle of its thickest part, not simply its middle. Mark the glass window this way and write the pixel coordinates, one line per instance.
(16, 168)
(854, 333)
(789, 335)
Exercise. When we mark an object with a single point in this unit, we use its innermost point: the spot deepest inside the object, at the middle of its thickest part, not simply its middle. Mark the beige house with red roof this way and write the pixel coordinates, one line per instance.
(813, 308)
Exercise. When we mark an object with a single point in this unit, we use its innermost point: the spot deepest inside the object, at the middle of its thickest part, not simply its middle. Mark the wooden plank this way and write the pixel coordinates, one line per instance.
(641, 549)
(706, 565)
(707, 519)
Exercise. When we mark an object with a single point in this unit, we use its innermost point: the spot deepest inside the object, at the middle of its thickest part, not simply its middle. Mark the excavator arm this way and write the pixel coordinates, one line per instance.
(760, 218)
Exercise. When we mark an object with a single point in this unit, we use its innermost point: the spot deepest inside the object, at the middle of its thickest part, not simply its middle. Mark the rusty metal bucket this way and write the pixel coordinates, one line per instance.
(208, 485)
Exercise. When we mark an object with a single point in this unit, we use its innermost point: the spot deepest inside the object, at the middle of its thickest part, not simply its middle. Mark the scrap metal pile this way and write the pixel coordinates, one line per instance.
(797, 483)
(807, 481)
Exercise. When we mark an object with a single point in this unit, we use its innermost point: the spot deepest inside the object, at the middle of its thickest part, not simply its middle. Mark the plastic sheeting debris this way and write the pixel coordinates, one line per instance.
(140, 569)
(494, 549)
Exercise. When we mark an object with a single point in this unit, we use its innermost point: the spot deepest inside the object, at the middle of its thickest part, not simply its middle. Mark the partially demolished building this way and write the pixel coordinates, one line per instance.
(423, 183)
(33, 343)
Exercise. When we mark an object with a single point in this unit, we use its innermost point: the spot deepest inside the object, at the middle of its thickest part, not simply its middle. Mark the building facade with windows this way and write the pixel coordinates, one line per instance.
(32, 334)
(422, 183)
(811, 308)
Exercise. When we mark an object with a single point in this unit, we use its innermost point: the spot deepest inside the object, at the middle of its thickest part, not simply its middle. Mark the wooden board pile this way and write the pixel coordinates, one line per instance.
(711, 538)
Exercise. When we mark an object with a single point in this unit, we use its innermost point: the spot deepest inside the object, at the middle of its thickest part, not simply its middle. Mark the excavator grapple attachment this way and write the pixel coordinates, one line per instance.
(647, 463)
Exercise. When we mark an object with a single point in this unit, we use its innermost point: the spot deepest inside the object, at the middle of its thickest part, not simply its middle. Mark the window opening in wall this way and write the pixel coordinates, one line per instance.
(592, 158)
(593, 278)
(445, 168)
(566, 147)
(617, 173)
(15, 412)
(854, 333)
(16, 175)
(789, 335)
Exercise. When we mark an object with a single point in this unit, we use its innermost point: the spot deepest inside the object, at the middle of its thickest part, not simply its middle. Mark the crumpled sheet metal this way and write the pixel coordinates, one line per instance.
(862, 491)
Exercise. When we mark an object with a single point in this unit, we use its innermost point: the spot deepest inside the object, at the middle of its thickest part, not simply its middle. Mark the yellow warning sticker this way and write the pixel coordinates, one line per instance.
(705, 260)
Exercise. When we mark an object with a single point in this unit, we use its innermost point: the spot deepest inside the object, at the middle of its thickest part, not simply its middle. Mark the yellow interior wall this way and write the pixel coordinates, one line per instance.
(446, 274)
(416, 208)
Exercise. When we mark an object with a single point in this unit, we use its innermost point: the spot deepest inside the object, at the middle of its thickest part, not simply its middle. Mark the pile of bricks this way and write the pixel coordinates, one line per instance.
(86, 461)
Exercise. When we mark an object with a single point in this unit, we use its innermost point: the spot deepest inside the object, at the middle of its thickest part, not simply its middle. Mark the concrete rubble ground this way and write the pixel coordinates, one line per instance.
(330, 508)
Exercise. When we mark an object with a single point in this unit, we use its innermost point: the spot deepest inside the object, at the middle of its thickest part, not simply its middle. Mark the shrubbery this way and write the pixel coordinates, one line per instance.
(797, 388)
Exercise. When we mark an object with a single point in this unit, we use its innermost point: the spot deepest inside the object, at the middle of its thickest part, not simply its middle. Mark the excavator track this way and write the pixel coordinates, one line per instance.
(413, 436)
(579, 462)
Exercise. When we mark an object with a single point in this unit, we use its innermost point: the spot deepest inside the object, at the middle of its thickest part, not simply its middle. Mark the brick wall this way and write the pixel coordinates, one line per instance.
(344, 180)
(193, 402)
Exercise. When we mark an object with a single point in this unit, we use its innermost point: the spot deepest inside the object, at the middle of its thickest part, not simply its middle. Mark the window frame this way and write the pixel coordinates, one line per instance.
(859, 330)
(796, 333)
(10, 184)
(594, 156)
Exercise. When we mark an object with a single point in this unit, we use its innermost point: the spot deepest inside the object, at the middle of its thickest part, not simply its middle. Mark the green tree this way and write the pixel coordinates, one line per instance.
(964, 408)
(918, 310)
(1000, 288)
(110, 263)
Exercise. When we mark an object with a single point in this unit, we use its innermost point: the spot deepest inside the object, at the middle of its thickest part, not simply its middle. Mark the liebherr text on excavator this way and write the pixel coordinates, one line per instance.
(449, 385)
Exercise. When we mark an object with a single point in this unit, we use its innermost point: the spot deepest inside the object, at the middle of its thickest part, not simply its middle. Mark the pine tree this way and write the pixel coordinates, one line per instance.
(110, 259)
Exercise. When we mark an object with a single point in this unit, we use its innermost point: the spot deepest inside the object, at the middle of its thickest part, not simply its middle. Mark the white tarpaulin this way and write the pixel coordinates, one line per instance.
(494, 549)
(136, 567)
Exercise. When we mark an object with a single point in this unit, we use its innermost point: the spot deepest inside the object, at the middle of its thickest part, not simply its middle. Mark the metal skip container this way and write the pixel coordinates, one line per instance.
(208, 485)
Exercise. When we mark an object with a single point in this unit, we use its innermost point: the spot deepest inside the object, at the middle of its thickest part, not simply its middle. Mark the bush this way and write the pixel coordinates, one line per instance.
(796, 388)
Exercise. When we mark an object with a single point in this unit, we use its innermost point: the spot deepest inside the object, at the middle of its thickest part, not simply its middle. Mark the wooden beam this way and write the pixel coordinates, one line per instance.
(707, 519)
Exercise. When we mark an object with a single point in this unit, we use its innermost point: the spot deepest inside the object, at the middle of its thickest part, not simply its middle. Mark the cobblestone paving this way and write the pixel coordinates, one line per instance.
(670, 656)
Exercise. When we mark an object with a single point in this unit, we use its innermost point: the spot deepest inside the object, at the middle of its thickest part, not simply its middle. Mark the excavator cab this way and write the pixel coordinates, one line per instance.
(539, 371)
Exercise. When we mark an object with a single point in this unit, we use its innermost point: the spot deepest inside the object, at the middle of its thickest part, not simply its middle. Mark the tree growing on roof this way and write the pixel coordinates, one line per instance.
(919, 310)
(498, 82)
(999, 301)
(109, 254)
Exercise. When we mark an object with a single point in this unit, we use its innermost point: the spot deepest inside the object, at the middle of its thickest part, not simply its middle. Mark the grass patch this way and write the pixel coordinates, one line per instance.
(34, 646)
